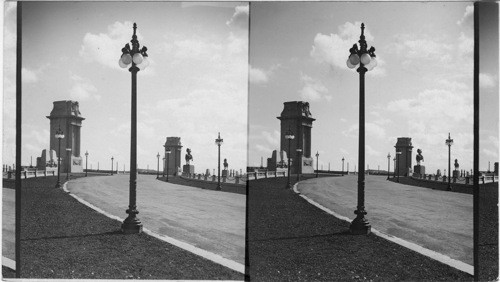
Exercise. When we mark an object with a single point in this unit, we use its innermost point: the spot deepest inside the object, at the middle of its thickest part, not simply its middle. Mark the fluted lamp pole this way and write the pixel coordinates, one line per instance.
(168, 160)
(388, 165)
(112, 165)
(343, 166)
(449, 142)
(218, 142)
(59, 135)
(364, 58)
(137, 59)
(289, 136)
(317, 162)
(86, 162)
(68, 162)
(299, 164)
(158, 166)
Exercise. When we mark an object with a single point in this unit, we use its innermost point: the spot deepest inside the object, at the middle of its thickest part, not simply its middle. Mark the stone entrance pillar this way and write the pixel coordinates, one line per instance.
(67, 116)
(297, 118)
(403, 165)
(173, 144)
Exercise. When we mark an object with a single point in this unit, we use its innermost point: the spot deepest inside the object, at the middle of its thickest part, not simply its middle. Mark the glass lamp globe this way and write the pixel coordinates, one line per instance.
(137, 58)
(126, 59)
(365, 59)
(349, 65)
(354, 59)
(121, 63)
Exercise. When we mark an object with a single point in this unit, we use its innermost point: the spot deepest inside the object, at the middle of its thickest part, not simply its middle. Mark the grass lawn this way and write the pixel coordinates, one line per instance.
(62, 238)
(289, 239)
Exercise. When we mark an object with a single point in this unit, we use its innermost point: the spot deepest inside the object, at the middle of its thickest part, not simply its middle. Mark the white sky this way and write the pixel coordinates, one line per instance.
(422, 87)
(195, 86)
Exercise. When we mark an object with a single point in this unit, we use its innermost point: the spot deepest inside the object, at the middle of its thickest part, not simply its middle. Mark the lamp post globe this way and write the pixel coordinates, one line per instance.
(137, 59)
(388, 165)
(364, 59)
(59, 135)
(86, 162)
(218, 142)
(289, 136)
(449, 142)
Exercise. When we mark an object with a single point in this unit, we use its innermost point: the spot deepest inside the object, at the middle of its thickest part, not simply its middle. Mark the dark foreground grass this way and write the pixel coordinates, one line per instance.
(291, 240)
(62, 238)
(225, 187)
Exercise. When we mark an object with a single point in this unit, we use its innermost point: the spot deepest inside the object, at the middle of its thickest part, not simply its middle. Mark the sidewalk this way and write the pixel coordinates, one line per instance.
(62, 238)
(289, 239)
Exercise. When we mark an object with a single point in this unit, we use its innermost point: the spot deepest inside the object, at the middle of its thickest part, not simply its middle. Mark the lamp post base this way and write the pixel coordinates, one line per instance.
(58, 184)
(289, 185)
(360, 226)
(131, 224)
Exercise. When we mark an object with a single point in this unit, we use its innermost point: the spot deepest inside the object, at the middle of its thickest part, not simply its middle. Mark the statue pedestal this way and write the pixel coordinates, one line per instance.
(456, 173)
(225, 173)
(307, 165)
(187, 169)
(418, 170)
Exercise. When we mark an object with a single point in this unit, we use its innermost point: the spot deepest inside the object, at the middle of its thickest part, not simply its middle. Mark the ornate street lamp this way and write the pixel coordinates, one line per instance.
(317, 162)
(59, 135)
(299, 167)
(86, 162)
(218, 142)
(388, 165)
(168, 154)
(68, 162)
(158, 166)
(112, 165)
(449, 142)
(365, 58)
(289, 136)
(343, 166)
(163, 173)
(137, 59)
(394, 173)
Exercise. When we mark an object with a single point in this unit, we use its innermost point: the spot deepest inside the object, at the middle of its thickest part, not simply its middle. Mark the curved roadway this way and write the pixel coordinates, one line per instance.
(437, 220)
(210, 220)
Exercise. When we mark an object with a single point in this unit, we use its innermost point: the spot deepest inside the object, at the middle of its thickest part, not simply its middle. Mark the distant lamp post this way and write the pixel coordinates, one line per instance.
(59, 135)
(394, 168)
(397, 154)
(365, 58)
(158, 166)
(343, 166)
(163, 173)
(68, 162)
(218, 142)
(289, 136)
(317, 162)
(86, 162)
(299, 164)
(388, 165)
(449, 142)
(137, 59)
(168, 154)
(112, 165)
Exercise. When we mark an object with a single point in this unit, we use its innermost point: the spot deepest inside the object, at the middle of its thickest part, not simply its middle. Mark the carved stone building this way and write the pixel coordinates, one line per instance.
(173, 144)
(297, 118)
(403, 162)
(66, 116)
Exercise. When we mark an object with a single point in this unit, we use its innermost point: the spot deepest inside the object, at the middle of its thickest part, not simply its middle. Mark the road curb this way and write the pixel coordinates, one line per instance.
(412, 246)
(183, 245)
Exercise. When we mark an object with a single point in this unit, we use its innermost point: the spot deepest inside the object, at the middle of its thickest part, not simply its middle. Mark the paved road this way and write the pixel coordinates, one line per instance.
(210, 220)
(8, 223)
(437, 220)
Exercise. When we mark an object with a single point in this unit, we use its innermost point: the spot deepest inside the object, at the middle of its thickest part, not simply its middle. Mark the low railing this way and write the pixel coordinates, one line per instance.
(483, 179)
(237, 179)
(31, 173)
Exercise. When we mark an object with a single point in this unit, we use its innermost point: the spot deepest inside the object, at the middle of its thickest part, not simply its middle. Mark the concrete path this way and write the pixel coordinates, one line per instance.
(8, 223)
(437, 220)
(210, 220)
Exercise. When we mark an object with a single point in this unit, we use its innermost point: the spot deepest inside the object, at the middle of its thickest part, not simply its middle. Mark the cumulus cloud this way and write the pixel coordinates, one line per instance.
(28, 76)
(83, 89)
(372, 130)
(487, 80)
(468, 17)
(240, 17)
(313, 89)
(261, 76)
